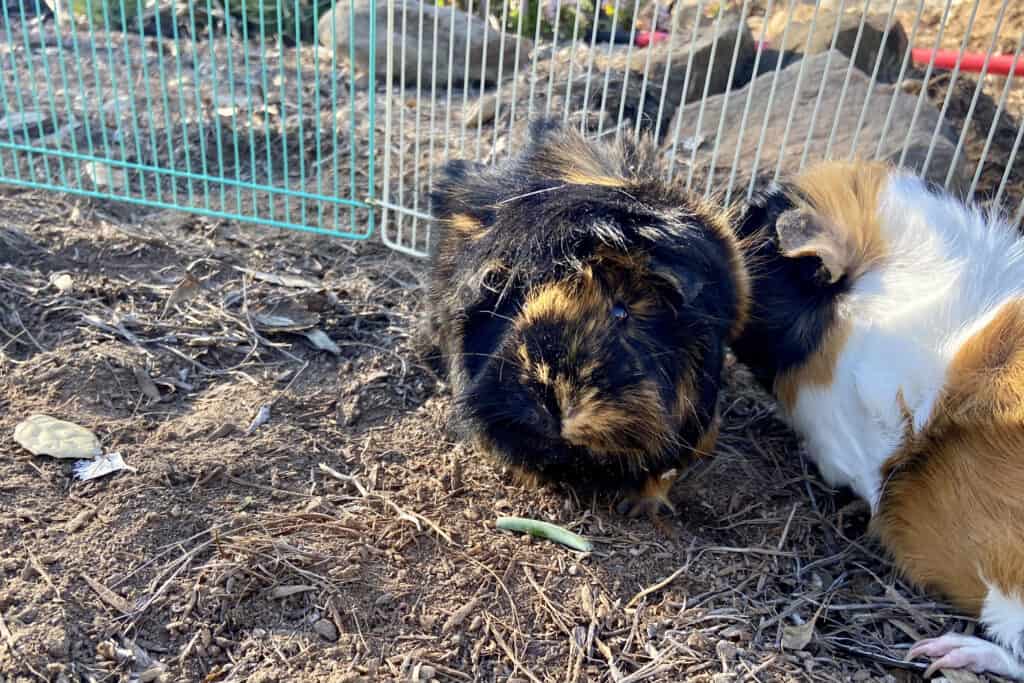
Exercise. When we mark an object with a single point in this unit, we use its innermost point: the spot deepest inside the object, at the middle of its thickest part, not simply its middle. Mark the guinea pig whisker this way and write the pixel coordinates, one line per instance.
(492, 356)
(531, 194)
(501, 316)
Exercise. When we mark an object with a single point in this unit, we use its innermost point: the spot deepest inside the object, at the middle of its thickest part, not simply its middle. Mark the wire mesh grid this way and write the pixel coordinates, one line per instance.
(731, 90)
(332, 117)
(230, 111)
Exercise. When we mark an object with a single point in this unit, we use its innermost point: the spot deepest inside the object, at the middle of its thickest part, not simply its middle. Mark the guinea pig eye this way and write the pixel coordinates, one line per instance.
(619, 312)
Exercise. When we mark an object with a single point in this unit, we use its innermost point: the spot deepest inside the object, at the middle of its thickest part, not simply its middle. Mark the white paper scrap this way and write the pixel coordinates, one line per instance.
(101, 466)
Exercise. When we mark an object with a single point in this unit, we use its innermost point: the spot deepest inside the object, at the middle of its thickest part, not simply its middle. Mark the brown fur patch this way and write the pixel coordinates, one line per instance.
(818, 370)
(467, 226)
(720, 222)
(952, 507)
(527, 479)
(844, 196)
(601, 425)
(587, 297)
(657, 487)
(578, 162)
(709, 439)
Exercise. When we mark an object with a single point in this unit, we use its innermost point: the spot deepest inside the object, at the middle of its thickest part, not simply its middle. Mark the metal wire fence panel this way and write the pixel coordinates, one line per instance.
(731, 90)
(228, 110)
(331, 117)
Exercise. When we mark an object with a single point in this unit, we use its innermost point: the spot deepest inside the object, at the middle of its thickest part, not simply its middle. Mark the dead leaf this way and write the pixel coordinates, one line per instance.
(798, 636)
(294, 281)
(284, 591)
(146, 384)
(44, 435)
(108, 596)
(284, 316)
(183, 293)
(321, 341)
(261, 418)
(959, 676)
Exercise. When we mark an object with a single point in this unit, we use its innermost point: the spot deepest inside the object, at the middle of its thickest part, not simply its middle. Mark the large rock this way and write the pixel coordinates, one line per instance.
(848, 112)
(706, 68)
(334, 32)
(802, 39)
(594, 108)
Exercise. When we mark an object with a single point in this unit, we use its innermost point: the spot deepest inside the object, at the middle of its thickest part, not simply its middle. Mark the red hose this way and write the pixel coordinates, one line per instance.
(645, 38)
(999, 65)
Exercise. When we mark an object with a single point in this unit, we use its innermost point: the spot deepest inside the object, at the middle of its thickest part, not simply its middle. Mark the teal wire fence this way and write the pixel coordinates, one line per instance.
(241, 110)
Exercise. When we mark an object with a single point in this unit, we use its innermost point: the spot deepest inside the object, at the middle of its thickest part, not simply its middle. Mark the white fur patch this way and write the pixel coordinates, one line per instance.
(948, 270)
(1003, 618)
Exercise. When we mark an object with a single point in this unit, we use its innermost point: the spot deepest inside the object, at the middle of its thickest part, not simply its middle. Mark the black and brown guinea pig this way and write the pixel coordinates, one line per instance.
(582, 306)
(888, 318)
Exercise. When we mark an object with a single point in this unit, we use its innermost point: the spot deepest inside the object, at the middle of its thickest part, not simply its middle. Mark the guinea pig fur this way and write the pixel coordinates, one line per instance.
(888, 318)
(582, 305)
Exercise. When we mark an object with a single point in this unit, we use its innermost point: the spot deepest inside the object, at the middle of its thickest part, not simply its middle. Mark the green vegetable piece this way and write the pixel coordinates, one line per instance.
(545, 530)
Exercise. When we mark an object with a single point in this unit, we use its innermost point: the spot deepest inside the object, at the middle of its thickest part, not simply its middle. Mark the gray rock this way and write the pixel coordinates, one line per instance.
(430, 57)
(706, 68)
(847, 112)
(801, 39)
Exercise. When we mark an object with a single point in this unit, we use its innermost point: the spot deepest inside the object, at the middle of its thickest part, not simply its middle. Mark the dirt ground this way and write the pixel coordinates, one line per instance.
(236, 556)
(348, 538)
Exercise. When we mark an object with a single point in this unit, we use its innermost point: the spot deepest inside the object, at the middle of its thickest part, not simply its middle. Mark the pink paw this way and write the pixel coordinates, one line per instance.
(957, 651)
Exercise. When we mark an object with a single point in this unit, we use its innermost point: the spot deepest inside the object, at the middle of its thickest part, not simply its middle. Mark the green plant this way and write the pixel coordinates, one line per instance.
(294, 20)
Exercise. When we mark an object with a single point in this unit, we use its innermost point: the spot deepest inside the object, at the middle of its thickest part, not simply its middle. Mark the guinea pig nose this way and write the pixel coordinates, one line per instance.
(542, 422)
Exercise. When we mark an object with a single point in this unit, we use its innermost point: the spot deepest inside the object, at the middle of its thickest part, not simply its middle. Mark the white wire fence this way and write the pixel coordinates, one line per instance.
(335, 116)
(730, 89)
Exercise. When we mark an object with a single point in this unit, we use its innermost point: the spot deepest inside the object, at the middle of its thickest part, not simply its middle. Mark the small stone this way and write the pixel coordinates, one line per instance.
(861, 675)
(326, 629)
(573, 570)
(696, 640)
(62, 281)
(57, 649)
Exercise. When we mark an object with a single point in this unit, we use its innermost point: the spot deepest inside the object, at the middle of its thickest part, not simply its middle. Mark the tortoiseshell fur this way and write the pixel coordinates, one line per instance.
(581, 305)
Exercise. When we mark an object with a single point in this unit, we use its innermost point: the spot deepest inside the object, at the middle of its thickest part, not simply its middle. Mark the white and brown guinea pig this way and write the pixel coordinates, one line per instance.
(582, 306)
(888, 318)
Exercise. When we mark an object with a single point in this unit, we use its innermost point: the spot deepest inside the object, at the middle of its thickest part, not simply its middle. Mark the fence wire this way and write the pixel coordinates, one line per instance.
(226, 111)
(267, 112)
(727, 97)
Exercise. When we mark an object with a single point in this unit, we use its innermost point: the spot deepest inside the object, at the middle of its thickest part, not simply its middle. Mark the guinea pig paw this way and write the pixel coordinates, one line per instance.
(652, 499)
(957, 651)
(652, 507)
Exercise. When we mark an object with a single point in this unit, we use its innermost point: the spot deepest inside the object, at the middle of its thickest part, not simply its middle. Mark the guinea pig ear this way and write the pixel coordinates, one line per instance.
(766, 203)
(542, 128)
(464, 197)
(686, 284)
(802, 232)
(454, 189)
